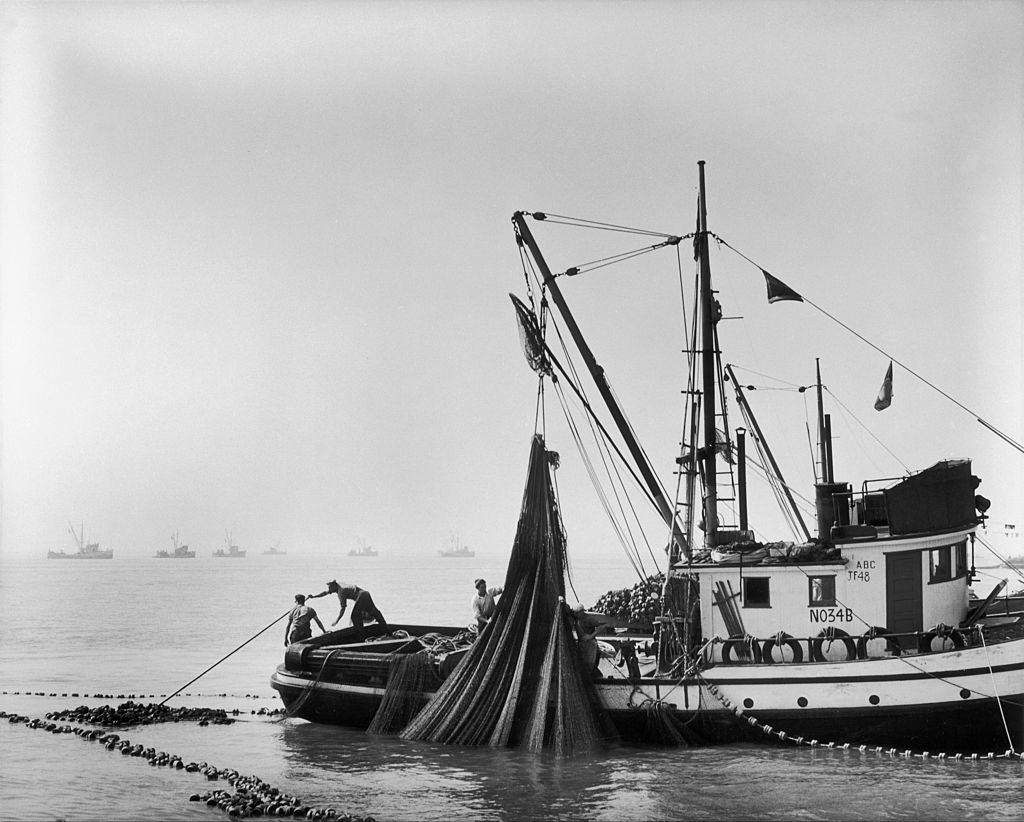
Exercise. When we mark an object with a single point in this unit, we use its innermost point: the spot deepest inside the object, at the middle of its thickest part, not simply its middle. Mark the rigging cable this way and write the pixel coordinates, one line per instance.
(574, 382)
(1005, 437)
(615, 483)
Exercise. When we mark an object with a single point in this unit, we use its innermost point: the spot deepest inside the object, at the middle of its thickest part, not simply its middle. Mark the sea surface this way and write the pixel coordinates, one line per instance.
(140, 627)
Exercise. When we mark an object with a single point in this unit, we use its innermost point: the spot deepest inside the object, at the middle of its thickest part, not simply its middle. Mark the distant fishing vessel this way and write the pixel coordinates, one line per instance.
(274, 551)
(90, 550)
(456, 550)
(363, 550)
(178, 552)
(233, 550)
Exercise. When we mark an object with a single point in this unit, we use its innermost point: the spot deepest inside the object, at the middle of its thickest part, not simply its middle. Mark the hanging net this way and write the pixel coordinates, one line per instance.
(409, 678)
(522, 683)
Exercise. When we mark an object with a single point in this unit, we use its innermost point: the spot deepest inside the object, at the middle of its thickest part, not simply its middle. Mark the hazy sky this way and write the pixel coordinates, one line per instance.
(255, 257)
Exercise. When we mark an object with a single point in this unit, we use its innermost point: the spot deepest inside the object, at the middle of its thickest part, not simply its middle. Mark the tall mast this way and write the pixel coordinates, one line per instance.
(822, 441)
(597, 373)
(708, 362)
(748, 412)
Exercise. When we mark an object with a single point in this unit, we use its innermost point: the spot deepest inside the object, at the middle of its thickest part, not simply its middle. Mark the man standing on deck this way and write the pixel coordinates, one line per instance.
(298, 627)
(483, 604)
(363, 609)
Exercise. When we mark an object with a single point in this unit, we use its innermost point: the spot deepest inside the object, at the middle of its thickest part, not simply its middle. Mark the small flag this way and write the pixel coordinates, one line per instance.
(778, 290)
(885, 392)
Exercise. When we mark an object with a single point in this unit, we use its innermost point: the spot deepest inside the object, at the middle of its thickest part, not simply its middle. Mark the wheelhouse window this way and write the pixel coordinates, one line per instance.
(821, 591)
(941, 564)
(960, 549)
(756, 592)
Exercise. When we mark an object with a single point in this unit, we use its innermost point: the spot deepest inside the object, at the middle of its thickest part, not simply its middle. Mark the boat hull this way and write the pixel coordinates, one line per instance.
(81, 555)
(939, 702)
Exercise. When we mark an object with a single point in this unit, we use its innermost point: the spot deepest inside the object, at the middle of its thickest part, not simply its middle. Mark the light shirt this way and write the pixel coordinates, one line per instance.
(483, 606)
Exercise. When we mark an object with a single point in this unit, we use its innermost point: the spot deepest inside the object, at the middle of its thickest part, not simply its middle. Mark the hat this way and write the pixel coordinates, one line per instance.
(332, 583)
(578, 608)
(480, 582)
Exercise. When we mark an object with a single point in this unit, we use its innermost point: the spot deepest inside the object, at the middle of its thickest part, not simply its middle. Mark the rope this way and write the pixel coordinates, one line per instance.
(297, 705)
(999, 701)
(768, 730)
(219, 661)
(1007, 439)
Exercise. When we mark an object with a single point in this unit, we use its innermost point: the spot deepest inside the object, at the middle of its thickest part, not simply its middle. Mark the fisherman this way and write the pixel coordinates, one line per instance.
(587, 627)
(363, 609)
(298, 627)
(483, 604)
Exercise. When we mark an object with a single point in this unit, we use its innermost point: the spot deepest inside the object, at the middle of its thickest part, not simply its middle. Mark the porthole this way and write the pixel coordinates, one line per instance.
(802, 702)
(874, 700)
(965, 694)
(748, 703)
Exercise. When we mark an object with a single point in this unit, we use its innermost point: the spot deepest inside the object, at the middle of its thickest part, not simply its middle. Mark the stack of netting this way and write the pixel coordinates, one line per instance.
(521, 683)
(409, 677)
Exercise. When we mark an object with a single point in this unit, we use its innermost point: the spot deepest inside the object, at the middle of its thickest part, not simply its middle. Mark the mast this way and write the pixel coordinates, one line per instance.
(597, 373)
(822, 439)
(749, 414)
(708, 354)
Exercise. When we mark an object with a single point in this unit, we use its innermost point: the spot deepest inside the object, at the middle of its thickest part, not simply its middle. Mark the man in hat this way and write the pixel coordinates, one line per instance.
(363, 609)
(483, 604)
(298, 627)
(587, 626)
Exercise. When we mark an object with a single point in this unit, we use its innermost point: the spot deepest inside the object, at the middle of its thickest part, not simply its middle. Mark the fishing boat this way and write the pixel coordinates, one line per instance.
(456, 549)
(178, 551)
(363, 550)
(86, 550)
(274, 551)
(232, 552)
(859, 631)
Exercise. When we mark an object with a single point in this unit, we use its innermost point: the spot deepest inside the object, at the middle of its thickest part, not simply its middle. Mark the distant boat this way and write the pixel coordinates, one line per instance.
(179, 551)
(233, 550)
(274, 551)
(363, 550)
(456, 550)
(86, 550)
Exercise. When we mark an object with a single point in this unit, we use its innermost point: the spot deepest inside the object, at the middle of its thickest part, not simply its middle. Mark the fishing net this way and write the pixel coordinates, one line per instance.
(661, 726)
(409, 677)
(522, 683)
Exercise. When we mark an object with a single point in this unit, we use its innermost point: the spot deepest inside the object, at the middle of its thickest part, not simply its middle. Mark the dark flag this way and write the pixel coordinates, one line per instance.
(885, 392)
(778, 290)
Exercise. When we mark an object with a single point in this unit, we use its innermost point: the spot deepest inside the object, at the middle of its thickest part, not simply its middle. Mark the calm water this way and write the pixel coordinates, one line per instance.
(144, 627)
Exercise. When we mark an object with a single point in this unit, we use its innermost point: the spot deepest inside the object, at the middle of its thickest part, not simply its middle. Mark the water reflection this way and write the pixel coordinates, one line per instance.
(440, 781)
(396, 779)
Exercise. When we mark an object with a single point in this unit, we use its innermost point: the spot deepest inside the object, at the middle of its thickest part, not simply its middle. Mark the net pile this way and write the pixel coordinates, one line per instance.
(521, 683)
(409, 677)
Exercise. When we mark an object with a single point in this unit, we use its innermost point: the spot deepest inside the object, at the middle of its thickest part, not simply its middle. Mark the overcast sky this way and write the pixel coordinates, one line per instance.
(255, 257)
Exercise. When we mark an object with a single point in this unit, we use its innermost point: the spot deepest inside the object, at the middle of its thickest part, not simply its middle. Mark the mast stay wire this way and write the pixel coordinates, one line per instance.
(616, 482)
(578, 387)
(1003, 436)
(528, 271)
(595, 481)
(580, 222)
(792, 387)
